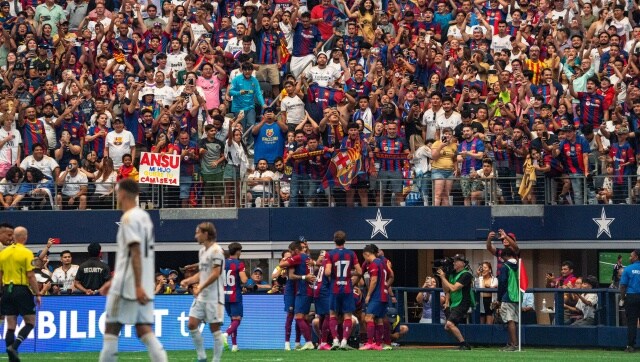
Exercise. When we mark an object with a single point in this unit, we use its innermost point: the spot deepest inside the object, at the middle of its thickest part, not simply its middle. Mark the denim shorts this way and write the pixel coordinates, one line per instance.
(438, 174)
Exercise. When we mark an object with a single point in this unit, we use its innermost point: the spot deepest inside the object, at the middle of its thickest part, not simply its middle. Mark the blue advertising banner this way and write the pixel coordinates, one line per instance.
(431, 224)
(76, 324)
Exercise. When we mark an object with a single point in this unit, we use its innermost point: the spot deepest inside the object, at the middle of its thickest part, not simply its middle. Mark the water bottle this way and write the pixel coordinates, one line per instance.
(544, 305)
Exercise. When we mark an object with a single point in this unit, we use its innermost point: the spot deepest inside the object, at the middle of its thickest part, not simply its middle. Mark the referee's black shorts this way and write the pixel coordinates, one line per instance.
(17, 300)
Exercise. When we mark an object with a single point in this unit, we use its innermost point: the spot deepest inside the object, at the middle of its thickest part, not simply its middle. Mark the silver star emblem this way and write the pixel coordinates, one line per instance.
(379, 225)
(603, 224)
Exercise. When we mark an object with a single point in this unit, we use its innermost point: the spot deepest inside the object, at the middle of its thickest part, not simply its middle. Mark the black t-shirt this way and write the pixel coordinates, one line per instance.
(466, 279)
(93, 273)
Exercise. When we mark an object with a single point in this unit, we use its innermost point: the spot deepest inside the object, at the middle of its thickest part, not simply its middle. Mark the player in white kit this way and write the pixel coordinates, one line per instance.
(208, 303)
(128, 293)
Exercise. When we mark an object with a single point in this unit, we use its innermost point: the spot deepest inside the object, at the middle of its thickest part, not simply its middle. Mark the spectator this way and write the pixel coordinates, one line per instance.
(245, 90)
(189, 155)
(64, 275)
(486, 280)
(74, 188)
(269, 136)
(118, 143)
(443, 167)
(256, 282)
(35, 191)
(211, 152)
(508, 242)
(259, 183)
(105, 179)
(587, 303)
(10, 141)
(470, 154)
(424, 298)
(39, 160)
(615, 275)
(390, 151)
(10, 185)
(92, 273)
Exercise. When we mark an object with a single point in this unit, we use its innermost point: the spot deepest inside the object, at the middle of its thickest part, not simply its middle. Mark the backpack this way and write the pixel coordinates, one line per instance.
(513, 289)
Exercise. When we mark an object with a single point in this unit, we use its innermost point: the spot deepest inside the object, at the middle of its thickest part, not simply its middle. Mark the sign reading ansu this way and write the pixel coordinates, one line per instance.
(159, 169)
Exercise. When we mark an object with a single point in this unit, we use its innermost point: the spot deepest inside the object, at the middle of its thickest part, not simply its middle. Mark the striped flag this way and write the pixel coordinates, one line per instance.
(344, 167)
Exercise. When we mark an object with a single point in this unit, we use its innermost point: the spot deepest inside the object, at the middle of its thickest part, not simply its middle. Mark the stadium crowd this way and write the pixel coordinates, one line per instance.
(497, 99)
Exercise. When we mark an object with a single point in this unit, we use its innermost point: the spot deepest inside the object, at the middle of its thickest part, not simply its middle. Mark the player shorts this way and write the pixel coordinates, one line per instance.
(302, 304)
(343, 303)
(234, 309)
(323, 304)
(125, 311)
(208, 312)
(17, 300)
(289, 303)
(378, 309)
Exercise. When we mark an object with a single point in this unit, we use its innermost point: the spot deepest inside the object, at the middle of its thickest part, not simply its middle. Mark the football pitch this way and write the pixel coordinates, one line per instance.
(399, 354)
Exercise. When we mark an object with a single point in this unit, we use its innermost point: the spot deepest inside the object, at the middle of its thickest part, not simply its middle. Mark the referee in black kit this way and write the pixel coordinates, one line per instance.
(16, 273)
(630, 297)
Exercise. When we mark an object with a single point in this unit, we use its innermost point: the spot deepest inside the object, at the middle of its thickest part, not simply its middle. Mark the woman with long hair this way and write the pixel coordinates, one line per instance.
(486, 280)
(237, 163)
(365, 16)
(443, 166)
(105, 179)
(35, 191)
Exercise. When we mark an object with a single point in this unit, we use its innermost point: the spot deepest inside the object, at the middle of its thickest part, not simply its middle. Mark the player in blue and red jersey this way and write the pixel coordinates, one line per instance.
(322, 301)
(591, 108)
(574, 151)
(340, 264)
(377, 298)
(386, 337)
(301, 271)
(234, 277)
(289, 301)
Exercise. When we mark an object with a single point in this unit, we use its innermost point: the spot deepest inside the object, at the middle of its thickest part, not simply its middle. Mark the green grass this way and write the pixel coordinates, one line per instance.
(399, 354)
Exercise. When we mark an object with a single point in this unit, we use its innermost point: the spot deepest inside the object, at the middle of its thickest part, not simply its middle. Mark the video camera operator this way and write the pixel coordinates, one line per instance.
(457, 280)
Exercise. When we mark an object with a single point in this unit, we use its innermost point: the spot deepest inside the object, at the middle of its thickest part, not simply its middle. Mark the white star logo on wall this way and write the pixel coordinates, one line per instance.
(379, 225)
(603, 224)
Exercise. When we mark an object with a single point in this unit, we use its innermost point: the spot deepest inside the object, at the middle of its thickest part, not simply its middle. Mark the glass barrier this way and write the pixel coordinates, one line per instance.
(301, 191)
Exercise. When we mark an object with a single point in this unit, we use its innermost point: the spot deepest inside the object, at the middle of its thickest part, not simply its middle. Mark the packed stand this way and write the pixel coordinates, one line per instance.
(294, 103)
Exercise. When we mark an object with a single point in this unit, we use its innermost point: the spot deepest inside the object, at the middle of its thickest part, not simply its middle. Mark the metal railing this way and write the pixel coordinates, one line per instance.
(607, 311)
(303, 191)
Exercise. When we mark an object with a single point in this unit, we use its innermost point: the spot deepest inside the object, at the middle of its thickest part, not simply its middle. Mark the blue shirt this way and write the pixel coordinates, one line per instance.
(631, 278)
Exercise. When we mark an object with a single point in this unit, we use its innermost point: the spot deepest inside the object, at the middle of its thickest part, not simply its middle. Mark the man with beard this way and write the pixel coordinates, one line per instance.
(306, 41)
(575, 155)
(449, 119)
(390, 176)
(322, 75)
(268, 51)
(518, 147)
(33, 131)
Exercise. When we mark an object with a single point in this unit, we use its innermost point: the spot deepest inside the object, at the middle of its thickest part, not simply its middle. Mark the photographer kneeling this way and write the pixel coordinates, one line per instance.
(457, 282)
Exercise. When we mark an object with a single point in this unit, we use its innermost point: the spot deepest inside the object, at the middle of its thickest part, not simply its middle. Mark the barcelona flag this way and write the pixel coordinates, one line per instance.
(343, 168)
(284, 52)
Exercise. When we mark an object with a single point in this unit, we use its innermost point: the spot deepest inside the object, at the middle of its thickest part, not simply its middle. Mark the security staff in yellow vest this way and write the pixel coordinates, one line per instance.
(17, 275)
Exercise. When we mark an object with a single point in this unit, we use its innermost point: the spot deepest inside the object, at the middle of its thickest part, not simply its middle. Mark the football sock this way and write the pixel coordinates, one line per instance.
(379, 333)
(233, 331)
(387, 332)
(287, 328)
(10, 337)
(371, 331)
(218, 346)
(109, 352)
(333, 323)
(154, 348)
(304, 329)
(22, 335)
(325, 332)
(198, 342)
(297, 333)
(347, 325)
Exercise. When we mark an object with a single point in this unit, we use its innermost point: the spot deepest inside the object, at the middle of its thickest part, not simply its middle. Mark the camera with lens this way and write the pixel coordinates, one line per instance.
(446, 264)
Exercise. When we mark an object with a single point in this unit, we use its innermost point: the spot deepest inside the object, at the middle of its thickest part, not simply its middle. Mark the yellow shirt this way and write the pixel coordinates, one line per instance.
(15, 261)
(447, 156)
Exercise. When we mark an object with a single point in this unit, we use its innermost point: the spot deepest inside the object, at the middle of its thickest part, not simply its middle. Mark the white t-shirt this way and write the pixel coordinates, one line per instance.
(135, 227)
(176, 61)
(199, 30)
(208, 258)
(47, 165)
(164, 95)
(66, 278)
(91, 25)
(262, 186)
(323, 77)
(50, 131)
(429, 121)
(72, 184)
(119, 144)
(9, 151)
(105, 186)
(294, 108)
(94, 117)
(241, 20)
(443, 122)
(498, 43)
(234, 45)
(623, 27)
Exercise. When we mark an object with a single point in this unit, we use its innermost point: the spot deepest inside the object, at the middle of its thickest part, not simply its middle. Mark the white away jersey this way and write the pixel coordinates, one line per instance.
(135, 227)
(66, 278)
(210, 258)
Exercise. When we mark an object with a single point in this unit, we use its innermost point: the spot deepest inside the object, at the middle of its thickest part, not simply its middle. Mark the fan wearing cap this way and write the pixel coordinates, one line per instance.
(257, 281)
(623, 157)
(269, 136)
(458, 297)
(268, 54)
(574, 151)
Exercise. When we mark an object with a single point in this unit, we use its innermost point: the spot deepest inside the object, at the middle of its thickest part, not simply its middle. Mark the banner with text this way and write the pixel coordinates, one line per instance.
(159, 169)
(76, 324)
